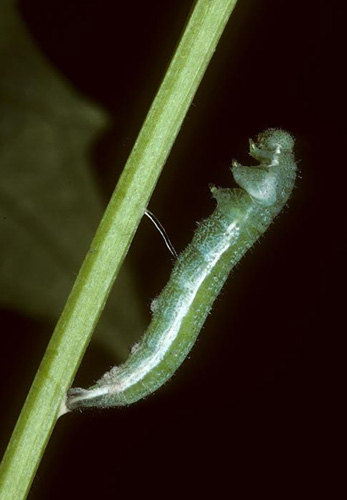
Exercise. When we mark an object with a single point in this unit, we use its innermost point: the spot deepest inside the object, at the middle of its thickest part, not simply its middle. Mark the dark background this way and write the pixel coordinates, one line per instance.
(250, 411)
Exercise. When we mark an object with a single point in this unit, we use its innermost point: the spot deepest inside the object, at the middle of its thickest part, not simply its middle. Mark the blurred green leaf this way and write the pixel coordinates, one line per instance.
(49, 202)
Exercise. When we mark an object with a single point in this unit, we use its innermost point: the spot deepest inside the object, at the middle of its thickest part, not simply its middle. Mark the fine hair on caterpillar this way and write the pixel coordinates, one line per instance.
(241, 216)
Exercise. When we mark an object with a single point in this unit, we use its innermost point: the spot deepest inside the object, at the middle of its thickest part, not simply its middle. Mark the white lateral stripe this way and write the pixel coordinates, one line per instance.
(147, 365)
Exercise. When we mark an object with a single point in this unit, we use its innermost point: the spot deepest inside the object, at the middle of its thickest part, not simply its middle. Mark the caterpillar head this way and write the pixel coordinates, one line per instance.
(275, 139)
(265, 182)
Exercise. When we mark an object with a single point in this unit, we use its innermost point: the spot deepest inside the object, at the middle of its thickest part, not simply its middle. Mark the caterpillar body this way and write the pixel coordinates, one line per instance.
(241, 216)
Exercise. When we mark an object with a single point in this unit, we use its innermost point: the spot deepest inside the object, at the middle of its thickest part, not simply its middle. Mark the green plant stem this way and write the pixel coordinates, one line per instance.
(110, 245)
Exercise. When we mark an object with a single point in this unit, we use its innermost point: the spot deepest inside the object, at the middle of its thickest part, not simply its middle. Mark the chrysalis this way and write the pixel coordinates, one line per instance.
(241, 216)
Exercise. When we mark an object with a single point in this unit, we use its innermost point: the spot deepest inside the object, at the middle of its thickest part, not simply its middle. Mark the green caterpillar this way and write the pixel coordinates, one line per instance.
(179, 312)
